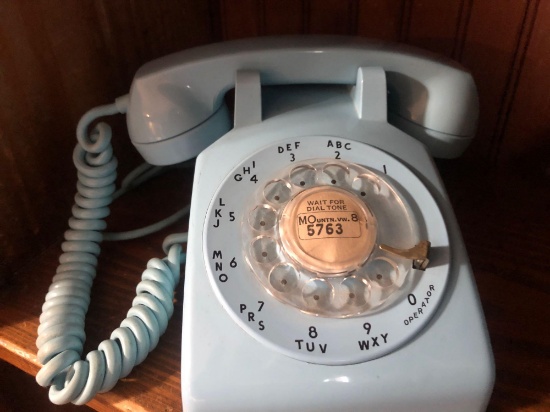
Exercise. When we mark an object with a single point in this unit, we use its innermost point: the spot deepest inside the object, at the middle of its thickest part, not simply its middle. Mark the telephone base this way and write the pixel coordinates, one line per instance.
(447, 366)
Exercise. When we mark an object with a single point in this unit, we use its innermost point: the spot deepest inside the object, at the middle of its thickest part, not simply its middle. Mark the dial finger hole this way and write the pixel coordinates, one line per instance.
(283, 277)
(350, 295)
(355, 291)
(262, 218)
(365, 185)
(317, 293)
(382, 272)
(303, 176)
(264, 249)
(277, 191)
(335, 175)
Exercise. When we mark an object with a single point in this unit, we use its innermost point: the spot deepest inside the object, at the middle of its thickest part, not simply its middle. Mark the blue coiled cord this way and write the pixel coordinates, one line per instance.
(61, 333)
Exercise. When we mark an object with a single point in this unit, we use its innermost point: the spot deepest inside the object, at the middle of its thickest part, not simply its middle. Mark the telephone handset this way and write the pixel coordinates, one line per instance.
(178, 100)
(325, 269)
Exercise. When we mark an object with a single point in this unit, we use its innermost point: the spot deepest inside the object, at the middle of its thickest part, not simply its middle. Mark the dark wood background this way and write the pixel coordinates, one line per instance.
(59, 58)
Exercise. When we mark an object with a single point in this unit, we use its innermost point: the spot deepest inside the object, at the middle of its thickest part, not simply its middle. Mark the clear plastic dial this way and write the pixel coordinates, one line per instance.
(312, 238)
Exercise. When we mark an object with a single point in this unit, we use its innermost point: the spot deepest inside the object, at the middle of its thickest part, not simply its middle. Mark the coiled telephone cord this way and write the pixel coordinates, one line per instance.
(61, 333)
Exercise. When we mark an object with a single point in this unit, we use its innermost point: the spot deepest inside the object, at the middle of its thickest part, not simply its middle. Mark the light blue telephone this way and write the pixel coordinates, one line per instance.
(325, 269)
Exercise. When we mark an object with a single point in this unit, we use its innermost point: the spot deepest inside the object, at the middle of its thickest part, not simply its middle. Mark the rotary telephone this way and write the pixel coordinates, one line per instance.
(325, 269)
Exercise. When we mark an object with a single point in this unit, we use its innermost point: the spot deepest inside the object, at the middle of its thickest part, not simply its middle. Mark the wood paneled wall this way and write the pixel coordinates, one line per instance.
(60, 57)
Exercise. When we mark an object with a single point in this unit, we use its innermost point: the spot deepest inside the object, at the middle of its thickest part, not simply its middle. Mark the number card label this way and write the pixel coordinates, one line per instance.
(323, 225)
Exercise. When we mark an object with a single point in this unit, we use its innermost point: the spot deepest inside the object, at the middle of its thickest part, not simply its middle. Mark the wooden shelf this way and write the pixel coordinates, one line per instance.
(505, 223)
